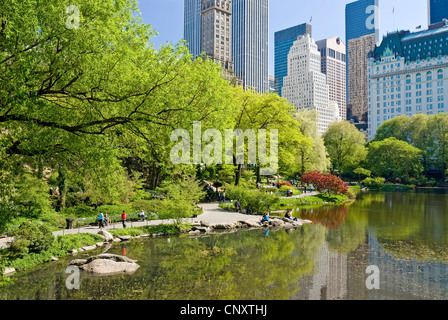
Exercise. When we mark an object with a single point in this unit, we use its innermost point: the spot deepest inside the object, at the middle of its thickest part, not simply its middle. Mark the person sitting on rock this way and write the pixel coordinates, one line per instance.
(265, 218)
(248, 210)
(289, 216)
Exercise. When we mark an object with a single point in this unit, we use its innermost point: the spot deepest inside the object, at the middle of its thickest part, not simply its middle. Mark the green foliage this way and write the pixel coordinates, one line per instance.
(31, 238)
(257, 200)
(374, 183)
(394, 160)
(345, 145)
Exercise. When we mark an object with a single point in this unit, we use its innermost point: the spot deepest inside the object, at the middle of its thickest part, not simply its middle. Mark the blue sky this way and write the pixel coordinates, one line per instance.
(166, 17)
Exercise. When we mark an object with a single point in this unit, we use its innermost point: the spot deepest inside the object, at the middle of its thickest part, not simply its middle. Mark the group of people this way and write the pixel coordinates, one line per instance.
(104, 219)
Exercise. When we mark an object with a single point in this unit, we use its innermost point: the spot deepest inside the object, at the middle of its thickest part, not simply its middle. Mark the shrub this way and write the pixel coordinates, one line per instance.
(377, 182)
(31, 238)
(327, 182)
(257, 200)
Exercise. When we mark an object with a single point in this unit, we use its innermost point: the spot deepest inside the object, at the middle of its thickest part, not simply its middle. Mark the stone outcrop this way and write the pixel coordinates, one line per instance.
(253, 223)
(106, 235)
(106, 264)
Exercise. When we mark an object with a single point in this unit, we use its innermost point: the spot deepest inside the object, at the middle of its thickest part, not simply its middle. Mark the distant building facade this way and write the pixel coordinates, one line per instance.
(407, 75)
(362, 33)
(305, 86)
(192, 26)
(437, 11)
(250, 49)
(284, 40)
(333, 65)
(216, 31)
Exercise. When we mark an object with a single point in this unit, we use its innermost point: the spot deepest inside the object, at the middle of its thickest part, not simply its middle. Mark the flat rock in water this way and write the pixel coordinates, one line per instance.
(109, 267)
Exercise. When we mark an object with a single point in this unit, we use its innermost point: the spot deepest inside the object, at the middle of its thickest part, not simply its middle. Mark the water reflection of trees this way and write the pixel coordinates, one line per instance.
(331, 217)
(412, 225)
(241, 266)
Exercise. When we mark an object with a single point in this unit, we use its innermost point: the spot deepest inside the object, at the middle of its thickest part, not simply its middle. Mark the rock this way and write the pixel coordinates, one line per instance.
(107, 264)
(9, 271)
(88, 248)
(54, 258)
(117, 240)
(205, 224)
(125, 238)
(223, 226)
(201, 229)
(106, 235)
(194, 232)
(78, 262)
(109, 267)
(74, 251)
(99, 244)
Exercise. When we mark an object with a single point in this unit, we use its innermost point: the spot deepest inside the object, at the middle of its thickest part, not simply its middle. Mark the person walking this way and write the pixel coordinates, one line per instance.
(124, 218)
(237, 205)
(100, 220)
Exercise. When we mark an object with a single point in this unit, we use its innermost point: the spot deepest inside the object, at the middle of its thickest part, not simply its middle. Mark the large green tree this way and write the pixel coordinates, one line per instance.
(394, 159)
(345, 145)
(87, 98)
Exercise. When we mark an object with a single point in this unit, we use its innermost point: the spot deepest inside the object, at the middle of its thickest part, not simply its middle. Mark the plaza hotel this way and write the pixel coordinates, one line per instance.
(408, 75)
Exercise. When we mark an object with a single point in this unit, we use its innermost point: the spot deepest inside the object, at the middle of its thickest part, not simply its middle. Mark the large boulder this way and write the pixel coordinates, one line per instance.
(106, 235)
(107, 264)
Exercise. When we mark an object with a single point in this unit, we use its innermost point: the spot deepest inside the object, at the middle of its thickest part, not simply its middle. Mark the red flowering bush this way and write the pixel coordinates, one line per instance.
(325, 182)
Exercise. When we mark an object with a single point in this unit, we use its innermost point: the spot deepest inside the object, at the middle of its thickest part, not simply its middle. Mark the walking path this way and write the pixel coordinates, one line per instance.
(212, 214)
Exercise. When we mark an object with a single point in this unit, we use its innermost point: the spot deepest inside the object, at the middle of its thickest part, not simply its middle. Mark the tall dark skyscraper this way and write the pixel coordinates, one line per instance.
(284, 40)
(362, 34)
(437, 11)
(243, 28)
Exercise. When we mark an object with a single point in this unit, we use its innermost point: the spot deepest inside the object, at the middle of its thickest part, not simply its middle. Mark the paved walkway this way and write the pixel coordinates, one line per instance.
(213, 214)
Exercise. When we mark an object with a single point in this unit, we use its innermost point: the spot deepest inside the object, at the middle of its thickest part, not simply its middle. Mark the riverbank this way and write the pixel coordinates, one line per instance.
(213, 219)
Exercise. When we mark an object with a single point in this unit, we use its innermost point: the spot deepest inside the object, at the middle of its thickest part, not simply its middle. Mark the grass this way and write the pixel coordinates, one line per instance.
(320, 199)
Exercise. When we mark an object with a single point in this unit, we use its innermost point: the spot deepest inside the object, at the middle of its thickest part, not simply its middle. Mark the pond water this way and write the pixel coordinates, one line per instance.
(404, 235)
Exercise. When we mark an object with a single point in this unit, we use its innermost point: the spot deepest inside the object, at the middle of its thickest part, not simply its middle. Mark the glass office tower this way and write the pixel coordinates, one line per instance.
(192, 26)
(437, 11)
(284, 40)
(250, 46)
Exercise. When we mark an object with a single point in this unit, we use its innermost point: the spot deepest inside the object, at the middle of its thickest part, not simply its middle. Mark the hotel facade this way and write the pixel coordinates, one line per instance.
(408, 75)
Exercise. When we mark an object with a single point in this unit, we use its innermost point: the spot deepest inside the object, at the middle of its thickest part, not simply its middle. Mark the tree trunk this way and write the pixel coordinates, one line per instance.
(238, 175)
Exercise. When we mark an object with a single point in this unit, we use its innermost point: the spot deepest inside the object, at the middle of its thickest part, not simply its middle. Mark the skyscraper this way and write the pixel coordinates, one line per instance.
(284, 40)
(333, 58)
(216, 31)
(192, 26)
(437, 11)
(305, 86)
(250, 43)
(362, 33)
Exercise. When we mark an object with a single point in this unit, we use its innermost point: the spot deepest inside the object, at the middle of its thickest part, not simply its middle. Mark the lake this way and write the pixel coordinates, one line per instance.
(403, 236)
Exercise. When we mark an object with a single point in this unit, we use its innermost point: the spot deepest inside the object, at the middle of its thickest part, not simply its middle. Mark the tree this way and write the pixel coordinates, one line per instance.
(394, 159)
(345, 145)
(311, 153)
(362, 172)
(87, 100)
(267, 112)
(325, 182)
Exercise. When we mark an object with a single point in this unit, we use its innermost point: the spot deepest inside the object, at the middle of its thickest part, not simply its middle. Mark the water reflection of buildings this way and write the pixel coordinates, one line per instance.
(329, 281)
(406, 278)
(339, 276)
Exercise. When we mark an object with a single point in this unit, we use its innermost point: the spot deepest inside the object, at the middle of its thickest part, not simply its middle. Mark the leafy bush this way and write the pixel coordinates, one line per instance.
(257, 200)
(31, 238)
(377, 182)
